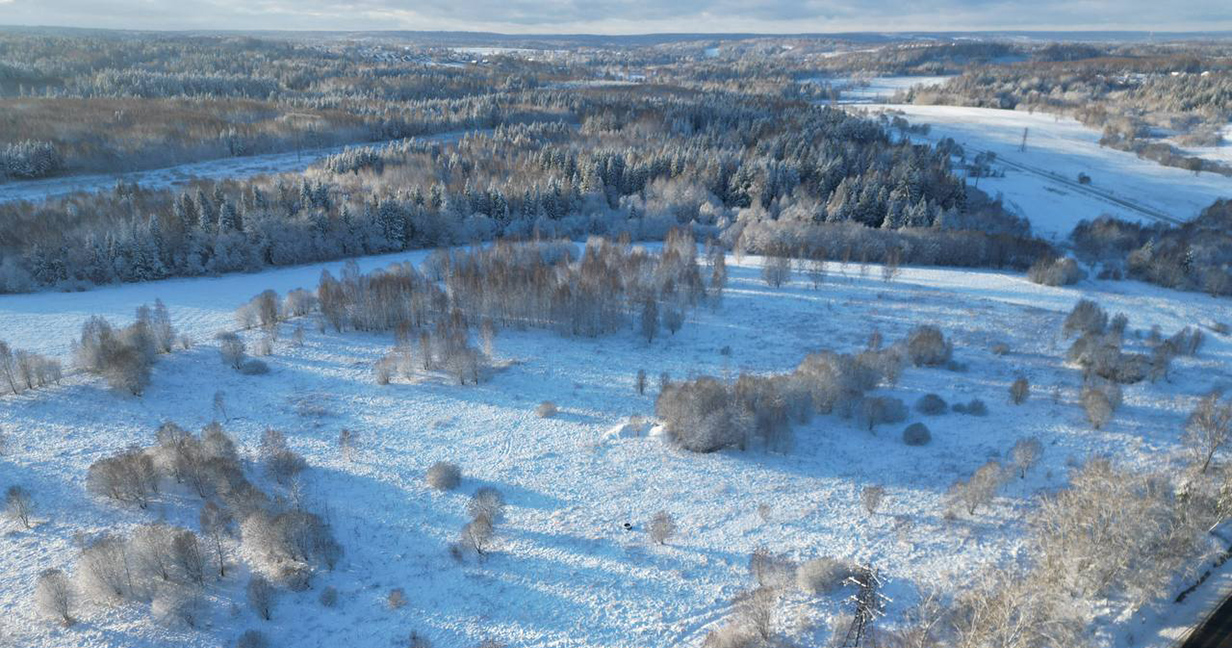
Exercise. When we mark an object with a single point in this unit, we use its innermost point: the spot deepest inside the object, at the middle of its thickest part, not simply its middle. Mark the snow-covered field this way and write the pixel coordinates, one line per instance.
(1064, 147)
(566, 572)
(181, 174)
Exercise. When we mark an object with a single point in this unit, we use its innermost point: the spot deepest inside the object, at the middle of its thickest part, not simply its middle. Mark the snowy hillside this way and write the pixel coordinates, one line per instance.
(572, 564)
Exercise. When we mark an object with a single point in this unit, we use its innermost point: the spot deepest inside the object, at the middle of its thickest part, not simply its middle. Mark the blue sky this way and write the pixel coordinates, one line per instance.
(626, 16)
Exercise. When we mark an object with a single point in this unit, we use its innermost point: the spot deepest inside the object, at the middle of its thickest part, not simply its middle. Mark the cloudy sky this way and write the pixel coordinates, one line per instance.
(626, 16)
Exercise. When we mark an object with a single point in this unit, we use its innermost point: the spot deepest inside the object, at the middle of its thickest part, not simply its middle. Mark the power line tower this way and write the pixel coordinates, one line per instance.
(1023, 147)
(869, 603)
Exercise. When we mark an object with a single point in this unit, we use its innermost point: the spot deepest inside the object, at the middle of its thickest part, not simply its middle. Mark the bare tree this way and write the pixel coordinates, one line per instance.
(477, 534)
(1025, 454)
(54, 596)
(980, 489)
(486, 502)
(18, 505)
(261, 596)
(1208, 429)
(188, 556)
(231, 349)
(662, 526)
(215, 522)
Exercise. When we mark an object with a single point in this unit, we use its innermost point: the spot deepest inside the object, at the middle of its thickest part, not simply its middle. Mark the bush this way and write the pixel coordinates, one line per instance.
(974, 407)
(252, 639)
(1086, 317)
(871, 496)
(396, 599)
(700, 416)
(1099, 403)
(1061, 271)
(661, 527)
(443, 476)
(931, 405)
(927, 347)
(822, 575)
(254, 367)
(546, 409)
(917, 434)
(329, 597)
(1025, 454)
(877, 410)
(1020, 390)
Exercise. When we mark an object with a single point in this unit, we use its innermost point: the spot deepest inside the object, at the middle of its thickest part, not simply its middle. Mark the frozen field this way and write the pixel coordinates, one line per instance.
(565, 571)
(1064, 147)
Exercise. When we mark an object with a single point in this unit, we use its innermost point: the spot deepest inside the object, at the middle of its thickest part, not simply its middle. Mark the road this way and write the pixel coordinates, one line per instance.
(1149, 212)
(1216, 631)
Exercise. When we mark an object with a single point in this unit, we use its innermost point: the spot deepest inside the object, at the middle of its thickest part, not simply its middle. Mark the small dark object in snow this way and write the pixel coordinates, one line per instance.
(628, 526)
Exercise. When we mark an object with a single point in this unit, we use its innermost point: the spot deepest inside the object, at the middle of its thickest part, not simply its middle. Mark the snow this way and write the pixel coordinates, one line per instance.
(224, 168)
(565, 571)
(1221, 153)
(1063, 147)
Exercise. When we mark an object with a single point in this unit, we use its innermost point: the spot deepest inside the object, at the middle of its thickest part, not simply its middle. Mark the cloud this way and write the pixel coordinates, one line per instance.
(625, 16)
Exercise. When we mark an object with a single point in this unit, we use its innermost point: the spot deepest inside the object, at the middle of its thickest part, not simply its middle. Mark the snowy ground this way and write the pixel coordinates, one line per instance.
(231, 168)
(566, 572)
(1064, 147)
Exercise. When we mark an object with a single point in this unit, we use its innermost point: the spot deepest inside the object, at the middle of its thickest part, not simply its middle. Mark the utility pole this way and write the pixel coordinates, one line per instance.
(1023, 148)
(869, 603)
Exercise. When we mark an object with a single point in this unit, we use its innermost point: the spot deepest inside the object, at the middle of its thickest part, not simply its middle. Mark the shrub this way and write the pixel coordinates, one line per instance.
(1061, 271)
(699, 415)
(252, 639)
(822, 575)
(927, 346)
(1086, 317)
(974, 407)
(1000, 348)
(871, 496)
(261, 596)
(486, 502)
(931, 405)
(877, 410)
(329, 596)
(254, 367)
(443, 476)
(546, 409)
(417, 640)
(661, 527)
(54, 596)
(917, 434)
(396, 599)
(1020, 390)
